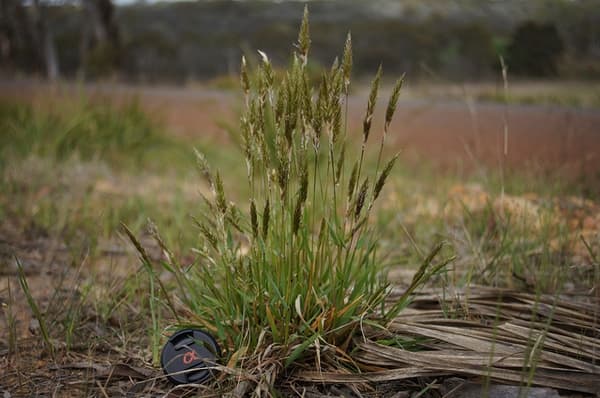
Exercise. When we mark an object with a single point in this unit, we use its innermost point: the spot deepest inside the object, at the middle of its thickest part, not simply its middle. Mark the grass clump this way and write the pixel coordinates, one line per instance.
(74, 170)
(123, 137)
(297, 270)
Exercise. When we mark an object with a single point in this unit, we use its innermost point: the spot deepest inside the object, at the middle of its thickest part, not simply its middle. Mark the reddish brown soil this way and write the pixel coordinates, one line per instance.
(549, 137)
(450, 134)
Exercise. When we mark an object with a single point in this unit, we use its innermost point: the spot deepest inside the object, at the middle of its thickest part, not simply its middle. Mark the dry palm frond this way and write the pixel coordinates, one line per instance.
(504, 336)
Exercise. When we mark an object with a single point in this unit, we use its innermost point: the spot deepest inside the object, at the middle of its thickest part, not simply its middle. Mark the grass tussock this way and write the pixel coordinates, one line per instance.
(76, 169)
(296, 273)
(123, 137)
(291, 279)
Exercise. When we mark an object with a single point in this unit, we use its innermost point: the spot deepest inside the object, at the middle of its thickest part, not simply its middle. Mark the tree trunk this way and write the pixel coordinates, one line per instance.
(45, 40)
(17, 41)
(100, 41)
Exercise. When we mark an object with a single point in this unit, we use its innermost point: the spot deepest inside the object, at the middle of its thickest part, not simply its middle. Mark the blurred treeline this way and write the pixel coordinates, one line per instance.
(183, 41)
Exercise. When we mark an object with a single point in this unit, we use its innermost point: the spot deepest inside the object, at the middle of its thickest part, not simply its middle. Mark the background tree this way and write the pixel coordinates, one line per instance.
(45, 39)
(535, 50)
(26, 40)
(100, 39)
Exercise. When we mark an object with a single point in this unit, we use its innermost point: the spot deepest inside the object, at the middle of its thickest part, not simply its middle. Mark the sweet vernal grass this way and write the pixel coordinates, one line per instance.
(301, 271)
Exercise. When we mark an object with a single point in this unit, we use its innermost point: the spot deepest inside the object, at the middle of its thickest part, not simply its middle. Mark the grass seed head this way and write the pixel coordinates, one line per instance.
(204, 167)
(347, 62)
(281, 103)
(371, 105)
(320, 113)
(391, 108)
(337, 84)
(220, 194)
(336, 128)
(383, 176)
(303, 180)
(267, 71)
(340, 164)
(304, 38)
(245, 81)
(254, 219)
(233, 216)
(283, 168)
(361, 198)
(266, 216)
(208, 234)
(247, 141)
(335, 65)
(306, 98)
